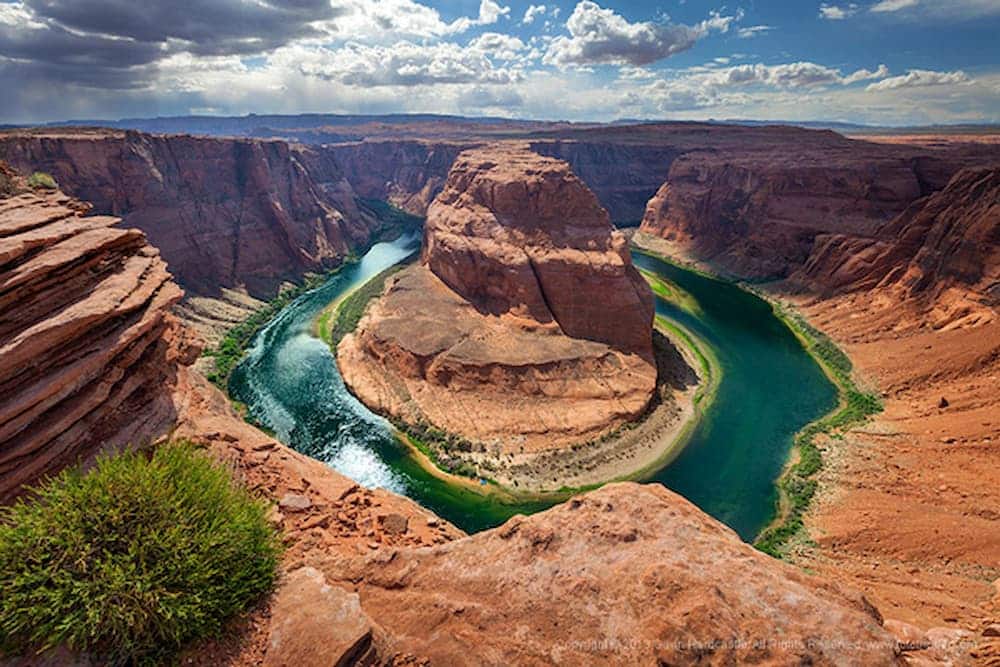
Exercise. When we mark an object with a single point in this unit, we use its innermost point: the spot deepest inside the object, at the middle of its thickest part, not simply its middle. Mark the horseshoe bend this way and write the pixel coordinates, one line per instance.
(524, 331)
(465, 412)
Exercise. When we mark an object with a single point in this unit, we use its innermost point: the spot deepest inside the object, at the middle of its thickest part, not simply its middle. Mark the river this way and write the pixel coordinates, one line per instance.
(769, 389)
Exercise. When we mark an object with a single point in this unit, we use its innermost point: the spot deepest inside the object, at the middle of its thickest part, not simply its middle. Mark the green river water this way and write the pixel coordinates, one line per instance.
(769, 389)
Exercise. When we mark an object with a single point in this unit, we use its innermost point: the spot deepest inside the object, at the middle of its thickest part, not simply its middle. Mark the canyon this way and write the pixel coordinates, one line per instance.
(890, 249)
(348, 547)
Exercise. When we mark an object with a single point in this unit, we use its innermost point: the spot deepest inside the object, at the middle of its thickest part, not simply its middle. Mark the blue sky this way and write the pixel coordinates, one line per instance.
(872, 61)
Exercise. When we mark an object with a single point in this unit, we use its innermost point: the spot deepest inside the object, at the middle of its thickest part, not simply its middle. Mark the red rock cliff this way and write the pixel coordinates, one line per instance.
(88, 349)
(754, 204)
(406, 173)
(518, 234)
(942, 251)
(223, 212)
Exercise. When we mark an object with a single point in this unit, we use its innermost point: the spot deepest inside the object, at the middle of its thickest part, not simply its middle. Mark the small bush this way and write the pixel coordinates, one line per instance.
(133, 559)
(42, 181)
(8, 181)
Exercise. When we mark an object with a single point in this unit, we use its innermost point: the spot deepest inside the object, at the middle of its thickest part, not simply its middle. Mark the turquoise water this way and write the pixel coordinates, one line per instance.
(769, 389)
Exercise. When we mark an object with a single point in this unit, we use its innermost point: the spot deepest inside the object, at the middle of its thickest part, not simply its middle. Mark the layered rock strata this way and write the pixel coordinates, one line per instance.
(88, 348)
(943, 251)
(755, 202)
(224, 213)
(525, 326)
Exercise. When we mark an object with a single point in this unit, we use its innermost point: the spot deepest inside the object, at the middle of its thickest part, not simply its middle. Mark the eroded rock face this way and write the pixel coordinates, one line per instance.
(407, 173)
(223, 212)
(757, 207)
(624, 575)
(519, 235)
(525, 327)
(88, 349)
(943, 250)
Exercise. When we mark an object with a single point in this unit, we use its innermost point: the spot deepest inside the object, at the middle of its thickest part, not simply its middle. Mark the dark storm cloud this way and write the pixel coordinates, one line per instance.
(206, 27)
(118, 44)
(52, 44)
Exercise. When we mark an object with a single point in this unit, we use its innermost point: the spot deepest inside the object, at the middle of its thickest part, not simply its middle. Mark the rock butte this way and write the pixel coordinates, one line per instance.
(524, 328)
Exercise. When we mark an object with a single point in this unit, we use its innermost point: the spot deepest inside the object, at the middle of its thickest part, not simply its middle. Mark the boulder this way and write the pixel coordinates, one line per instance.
(314, 624)
(624, 575)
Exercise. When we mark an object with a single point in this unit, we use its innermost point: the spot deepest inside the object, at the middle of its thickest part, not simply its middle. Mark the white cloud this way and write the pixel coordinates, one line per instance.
(497, 45)
(837, 12)
(892, 5)
(489, 13)
(788, 75)
(718, 22)
(866, 75)
(532, 12)
(401, 64)
(919, 78)
(384, 21)
(600, 36)
(753, 31)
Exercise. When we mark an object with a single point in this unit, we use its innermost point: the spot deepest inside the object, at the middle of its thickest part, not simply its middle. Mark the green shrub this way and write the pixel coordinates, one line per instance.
(41, 180)
(133, 559)
(8, 181)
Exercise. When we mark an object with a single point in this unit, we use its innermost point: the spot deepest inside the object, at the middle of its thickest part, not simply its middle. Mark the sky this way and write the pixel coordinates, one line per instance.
(884, 62)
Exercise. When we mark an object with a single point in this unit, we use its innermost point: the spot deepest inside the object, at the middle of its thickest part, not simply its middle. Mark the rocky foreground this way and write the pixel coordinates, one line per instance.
(524, 330)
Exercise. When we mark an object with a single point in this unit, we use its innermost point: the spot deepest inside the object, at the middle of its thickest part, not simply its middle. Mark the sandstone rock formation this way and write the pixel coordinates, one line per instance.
(223, 212)
(943, 250)
(755, 202)
(519, 235)
(625, 575)
(525, 326)
(88, 348)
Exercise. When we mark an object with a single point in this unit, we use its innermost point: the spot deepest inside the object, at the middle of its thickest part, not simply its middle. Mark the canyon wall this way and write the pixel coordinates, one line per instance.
(786, 209)
(409, 173)
(943, 251)
(223, 212)
(623, 175)
(406, 173)
(88, 350)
